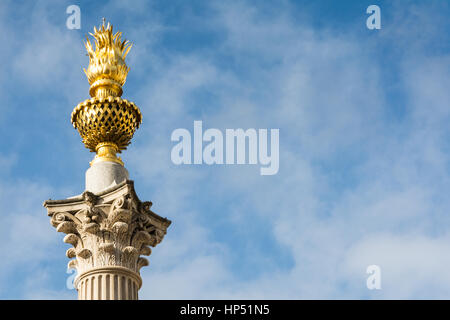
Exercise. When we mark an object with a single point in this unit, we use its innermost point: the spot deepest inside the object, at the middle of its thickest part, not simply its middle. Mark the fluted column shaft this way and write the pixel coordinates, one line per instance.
(114, 283)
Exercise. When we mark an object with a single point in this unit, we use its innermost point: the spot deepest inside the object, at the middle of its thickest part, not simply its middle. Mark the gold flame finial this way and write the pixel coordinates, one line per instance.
(106, 122)
(107, 70)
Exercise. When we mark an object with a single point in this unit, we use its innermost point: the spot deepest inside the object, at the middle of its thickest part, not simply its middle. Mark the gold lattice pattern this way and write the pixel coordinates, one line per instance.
(111, 119)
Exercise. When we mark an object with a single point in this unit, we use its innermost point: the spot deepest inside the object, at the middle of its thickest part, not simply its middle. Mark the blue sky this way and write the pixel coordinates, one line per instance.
(364, 153)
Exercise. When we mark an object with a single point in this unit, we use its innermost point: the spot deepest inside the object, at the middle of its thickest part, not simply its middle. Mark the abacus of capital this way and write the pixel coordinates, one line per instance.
(109, 228)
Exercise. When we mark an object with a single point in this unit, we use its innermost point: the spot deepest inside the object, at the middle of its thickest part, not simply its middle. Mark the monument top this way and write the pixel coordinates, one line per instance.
(106, 122)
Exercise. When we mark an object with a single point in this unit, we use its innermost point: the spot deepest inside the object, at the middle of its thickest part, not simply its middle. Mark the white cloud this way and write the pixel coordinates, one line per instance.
(353, 189)
(329, 100)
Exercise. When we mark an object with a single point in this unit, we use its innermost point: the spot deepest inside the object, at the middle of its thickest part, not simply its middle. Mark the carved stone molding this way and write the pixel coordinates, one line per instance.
(108, 229)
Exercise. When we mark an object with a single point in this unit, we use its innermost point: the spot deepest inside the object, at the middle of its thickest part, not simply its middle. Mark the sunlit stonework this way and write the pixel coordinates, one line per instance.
(109, 228)
(110, 233)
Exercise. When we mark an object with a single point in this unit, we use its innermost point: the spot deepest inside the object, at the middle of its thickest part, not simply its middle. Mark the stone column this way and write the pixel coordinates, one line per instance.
(110, 232)
(109, 228)
(108, 283)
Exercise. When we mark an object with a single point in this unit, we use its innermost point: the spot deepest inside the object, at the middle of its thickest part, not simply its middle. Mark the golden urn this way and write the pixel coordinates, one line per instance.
(106, 122)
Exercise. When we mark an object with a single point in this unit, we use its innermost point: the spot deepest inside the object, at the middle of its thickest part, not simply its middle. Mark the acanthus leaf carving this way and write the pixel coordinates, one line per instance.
(66, 227)
(120, 227)
(84, 253)
(142, 262)
(72, 239)
(145, 251)
(108, 230)
(71, 253)
(72, 264)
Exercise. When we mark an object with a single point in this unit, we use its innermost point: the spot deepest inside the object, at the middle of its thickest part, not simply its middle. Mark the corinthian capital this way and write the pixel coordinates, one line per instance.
(109, 231)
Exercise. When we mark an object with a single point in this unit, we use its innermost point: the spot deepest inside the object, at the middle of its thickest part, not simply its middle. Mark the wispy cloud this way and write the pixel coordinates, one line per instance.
(363, 152)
